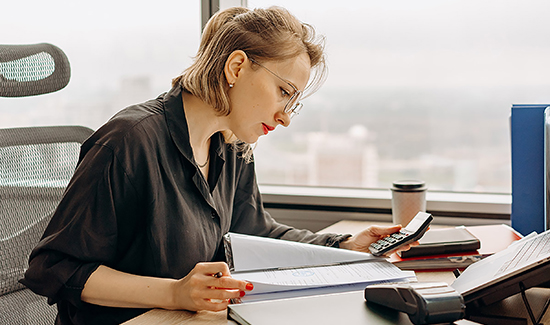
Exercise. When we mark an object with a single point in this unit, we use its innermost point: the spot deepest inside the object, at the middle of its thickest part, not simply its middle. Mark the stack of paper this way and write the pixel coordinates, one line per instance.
(283, 269)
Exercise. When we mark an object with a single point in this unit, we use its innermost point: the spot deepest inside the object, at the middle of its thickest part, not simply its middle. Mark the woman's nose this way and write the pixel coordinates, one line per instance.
(283, 118)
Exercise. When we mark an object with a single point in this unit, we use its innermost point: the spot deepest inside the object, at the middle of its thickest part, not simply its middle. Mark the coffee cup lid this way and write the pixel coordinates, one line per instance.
(409, 186)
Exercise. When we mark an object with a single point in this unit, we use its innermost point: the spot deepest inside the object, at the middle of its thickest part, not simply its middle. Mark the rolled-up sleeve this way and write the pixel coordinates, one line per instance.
(86, 229)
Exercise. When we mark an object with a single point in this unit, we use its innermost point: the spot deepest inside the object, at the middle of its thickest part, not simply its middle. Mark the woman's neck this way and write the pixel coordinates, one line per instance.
(202, 123)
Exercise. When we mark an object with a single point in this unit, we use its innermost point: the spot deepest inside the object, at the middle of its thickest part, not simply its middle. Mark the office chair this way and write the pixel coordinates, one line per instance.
(29, 70)
(36, 163)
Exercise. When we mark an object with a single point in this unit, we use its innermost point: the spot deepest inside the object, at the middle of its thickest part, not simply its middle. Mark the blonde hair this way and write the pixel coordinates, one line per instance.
(264, 35)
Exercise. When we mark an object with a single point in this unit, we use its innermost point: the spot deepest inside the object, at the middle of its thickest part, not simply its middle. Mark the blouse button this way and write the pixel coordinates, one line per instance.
(213, 214)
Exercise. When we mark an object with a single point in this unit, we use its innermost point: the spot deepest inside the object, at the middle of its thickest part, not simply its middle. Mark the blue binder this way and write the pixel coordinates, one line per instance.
(528, 171)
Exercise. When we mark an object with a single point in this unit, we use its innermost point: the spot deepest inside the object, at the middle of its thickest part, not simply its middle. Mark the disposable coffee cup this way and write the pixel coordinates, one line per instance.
(408, 198)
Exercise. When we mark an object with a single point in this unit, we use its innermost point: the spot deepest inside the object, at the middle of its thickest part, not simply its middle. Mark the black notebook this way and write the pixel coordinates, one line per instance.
(443, 241)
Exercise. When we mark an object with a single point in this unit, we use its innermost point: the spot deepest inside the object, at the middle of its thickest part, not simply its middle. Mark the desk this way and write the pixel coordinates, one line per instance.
(512, 306)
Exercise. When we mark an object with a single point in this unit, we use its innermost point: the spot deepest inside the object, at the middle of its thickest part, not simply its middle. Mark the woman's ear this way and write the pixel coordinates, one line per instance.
(234, 65)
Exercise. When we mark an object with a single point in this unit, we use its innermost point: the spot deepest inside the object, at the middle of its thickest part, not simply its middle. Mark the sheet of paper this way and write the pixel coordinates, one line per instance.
(491, 269)
(304, 292)
(311, 277)
(258, 253)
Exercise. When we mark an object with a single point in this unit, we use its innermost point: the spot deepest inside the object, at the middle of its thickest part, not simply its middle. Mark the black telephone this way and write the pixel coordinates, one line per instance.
(413, 231)
(425, 303)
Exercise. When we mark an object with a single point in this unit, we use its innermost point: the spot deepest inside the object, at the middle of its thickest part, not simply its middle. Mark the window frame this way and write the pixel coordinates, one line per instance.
(318, 207)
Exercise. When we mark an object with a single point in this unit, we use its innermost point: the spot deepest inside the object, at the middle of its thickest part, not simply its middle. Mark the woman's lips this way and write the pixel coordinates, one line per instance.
(267, 128)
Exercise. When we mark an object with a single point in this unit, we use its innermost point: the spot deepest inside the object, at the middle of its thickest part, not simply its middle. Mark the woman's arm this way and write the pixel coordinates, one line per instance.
(199, 290)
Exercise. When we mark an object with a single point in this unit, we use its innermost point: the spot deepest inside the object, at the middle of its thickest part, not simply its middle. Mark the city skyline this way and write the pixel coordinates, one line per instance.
(431, 83)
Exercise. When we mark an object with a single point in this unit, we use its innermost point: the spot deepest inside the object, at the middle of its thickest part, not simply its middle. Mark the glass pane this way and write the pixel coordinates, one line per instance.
(121, 53)
(416, 89)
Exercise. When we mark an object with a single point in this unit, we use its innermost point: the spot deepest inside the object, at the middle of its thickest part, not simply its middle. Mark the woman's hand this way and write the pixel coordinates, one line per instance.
(204, 289)
(201, 289)
(362, 240)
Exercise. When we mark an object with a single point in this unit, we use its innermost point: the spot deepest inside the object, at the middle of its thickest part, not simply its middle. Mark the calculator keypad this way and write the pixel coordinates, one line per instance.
(418, 227)
(387, 241)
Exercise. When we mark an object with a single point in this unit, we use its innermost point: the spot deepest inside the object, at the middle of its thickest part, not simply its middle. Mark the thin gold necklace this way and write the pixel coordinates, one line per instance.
(206, 162)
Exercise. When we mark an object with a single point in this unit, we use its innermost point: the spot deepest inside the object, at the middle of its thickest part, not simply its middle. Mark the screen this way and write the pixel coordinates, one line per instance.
(415, 223)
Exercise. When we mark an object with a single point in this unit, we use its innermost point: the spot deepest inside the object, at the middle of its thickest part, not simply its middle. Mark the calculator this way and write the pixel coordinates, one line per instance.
(412, 232)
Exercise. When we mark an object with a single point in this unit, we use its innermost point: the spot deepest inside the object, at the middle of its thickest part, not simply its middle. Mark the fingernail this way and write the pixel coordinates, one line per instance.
(242, 293)
(249, 286)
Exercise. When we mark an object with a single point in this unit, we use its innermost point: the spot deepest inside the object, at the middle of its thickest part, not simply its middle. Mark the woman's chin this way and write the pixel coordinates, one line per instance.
(251, 139)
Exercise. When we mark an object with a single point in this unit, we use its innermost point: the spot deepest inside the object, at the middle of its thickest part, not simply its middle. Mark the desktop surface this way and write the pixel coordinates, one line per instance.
(511, 307)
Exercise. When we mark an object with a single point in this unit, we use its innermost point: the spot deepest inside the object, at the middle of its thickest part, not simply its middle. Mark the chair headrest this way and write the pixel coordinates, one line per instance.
(34, 69)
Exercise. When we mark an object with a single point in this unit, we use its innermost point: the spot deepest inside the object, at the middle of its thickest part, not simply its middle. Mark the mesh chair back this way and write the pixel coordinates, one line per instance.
(28, 70)
(36, 165)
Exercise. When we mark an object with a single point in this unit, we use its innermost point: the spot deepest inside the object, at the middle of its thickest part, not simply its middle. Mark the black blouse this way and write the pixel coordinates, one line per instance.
(139, 204)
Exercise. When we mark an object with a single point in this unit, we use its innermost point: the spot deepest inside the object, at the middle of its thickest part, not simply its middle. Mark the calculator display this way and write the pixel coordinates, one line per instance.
(414, 224)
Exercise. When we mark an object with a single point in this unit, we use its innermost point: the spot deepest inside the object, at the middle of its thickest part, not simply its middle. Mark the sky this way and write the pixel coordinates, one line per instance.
(390, 54)
(428, 43)
(498, 42)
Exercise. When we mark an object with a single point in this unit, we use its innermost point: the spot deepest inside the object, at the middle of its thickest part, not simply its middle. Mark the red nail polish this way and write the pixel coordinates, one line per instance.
(249, 286)
(242, 293)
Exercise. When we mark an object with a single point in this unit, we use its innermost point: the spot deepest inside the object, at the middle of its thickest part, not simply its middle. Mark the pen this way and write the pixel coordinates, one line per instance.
(456, 272)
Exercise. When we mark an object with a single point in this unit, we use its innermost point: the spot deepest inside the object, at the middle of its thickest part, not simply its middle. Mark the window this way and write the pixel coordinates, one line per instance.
(416, 89)
(121, 53)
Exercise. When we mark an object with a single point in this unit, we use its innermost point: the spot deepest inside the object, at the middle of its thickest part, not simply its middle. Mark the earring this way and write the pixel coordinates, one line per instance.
(231, 85)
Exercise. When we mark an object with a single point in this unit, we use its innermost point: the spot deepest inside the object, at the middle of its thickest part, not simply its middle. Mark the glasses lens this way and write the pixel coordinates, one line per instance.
(297, 109)
(293, 103)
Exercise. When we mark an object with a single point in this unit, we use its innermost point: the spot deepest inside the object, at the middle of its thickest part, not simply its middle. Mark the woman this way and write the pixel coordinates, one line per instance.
(156, 187)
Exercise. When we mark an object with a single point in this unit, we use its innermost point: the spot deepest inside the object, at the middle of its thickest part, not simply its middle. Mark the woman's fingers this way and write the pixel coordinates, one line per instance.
(227, 282)
(224, 294)
(209, 286)
(212, 268)
(382, 231)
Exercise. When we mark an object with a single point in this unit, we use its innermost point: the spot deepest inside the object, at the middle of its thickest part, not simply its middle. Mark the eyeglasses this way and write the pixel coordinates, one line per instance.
(293, 106)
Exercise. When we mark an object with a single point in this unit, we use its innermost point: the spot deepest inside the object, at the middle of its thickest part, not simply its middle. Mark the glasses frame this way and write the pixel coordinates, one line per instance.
(290, 109)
